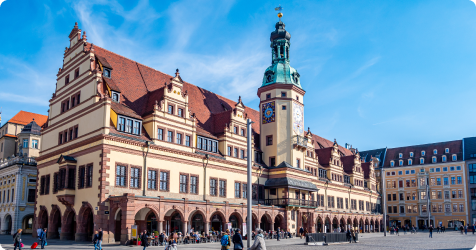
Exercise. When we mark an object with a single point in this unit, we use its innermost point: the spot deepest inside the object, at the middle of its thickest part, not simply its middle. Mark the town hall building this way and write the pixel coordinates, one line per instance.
(128, 145)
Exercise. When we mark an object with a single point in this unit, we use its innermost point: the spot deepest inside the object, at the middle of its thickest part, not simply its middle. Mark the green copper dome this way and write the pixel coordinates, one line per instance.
(280, 71)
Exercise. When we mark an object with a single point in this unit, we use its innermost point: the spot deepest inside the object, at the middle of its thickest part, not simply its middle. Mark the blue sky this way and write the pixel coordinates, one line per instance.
(377, 73)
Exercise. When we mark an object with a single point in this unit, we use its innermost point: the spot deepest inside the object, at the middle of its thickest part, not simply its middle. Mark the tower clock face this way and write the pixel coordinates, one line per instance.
(268, 114)
(298, 115)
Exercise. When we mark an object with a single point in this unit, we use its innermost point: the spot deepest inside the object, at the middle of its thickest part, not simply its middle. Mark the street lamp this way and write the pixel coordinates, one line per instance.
(383, 203)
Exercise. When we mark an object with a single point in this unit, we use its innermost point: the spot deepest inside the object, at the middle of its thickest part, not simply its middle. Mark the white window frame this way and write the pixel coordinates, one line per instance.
(422, 160)
(447, 150)
(410, 161)
(411, 154)
(113, 93)
(210, 145)
(400, 163)
(123, 127)
(435, 151)
(443, 158)
(392, 164)
(433, 159)
(454, 157)
(423, 153)
(33, 143)
(400, 155)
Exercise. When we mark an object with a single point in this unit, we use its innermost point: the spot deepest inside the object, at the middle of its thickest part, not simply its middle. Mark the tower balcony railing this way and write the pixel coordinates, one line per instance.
(300, 141)
(18, 160)
(290, 202)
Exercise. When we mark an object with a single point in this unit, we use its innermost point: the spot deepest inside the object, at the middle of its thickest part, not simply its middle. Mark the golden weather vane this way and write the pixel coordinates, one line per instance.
(280, 14)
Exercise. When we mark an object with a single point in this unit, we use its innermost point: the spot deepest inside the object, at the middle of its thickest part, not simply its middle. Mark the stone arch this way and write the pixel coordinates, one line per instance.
(174, 220)
(198, 220)
(342, 224)
(27, 224)
(42, 219)
(116, 224)
(372, 225)
(254, 221)
(279, 222)
(68, 224)
(54, 223)
(237, 224)
(266, 222)
(327, 224)
(217, 220)
(349, 222)
(8, 220)
(85, 223)
(355, 223)
(319, 224)
(335, 224)
(366, 225)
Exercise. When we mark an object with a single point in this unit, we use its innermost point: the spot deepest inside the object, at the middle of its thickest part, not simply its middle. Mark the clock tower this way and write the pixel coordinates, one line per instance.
(281, 96)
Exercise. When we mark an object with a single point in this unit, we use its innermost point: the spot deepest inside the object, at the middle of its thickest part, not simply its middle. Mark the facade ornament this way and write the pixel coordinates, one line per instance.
(177, 73)
(84, 36)
(156, 105)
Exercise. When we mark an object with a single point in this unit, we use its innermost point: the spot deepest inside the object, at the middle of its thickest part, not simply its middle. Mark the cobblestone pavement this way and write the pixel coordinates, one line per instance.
(447, 241)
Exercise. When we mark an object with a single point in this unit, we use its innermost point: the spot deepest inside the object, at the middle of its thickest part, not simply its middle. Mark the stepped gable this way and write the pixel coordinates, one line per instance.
(348, 163)
(24, 118)
(366, 169)
(320, 143)
(141, 86)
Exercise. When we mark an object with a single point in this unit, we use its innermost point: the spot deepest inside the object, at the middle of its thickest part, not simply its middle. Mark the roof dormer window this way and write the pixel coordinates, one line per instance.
(435, 151)
(443, 158)
(422, 161)
(433, 159)
(129, 125)
(392, 163)
(454, 158)
(423, 153)
(400, 163)
(447, 150)
(107, 73)
(116, 96)
(411, 154)
(400, 155)
(410, 161)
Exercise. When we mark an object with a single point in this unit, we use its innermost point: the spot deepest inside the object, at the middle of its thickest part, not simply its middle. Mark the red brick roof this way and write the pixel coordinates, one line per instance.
(24, 118)
(141, 86)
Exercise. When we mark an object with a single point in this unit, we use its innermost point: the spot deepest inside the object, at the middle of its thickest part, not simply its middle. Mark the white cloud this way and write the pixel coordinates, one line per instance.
(1, 1)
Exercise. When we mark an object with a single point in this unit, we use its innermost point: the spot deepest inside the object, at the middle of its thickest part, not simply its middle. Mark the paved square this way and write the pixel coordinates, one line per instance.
(447, 241)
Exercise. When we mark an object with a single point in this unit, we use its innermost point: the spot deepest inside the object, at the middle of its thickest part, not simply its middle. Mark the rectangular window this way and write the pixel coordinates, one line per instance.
(135, 178)
(460, 194)
(242, 132)
(222, 188)
(76, 73)
(121, 124)
(440, 208)
(269, 140)
(235, 152)
(438, 181)
(47, 184)
(183, 183)
(229, 151)
(237, 190)
(213, 187)
(242, 154)
(136, 130)
(42, 187)
(459, 180)
(447, 194)
(81, 179)
(31, 195)
(180, 112)
(170, 136)
(199, 143)
(66, 80)
(455, 208)
(128, 126)
(160, 134)
(461, 208)
(445, 181)
(89, 176)
(439, 195)
(71, 178)
(447, 208)
(244, 191)
(121, 176)
(235, 130)
(298, 163)
(272, 161)
(179, 138)
(152, 179)
(187, 140)
(25, 143)
(193, 184)
(453, 180)
(171, 109)
(164, 181)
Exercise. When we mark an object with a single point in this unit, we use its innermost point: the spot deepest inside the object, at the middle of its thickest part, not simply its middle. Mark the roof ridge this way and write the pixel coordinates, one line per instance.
(427, 144)
(95, 46)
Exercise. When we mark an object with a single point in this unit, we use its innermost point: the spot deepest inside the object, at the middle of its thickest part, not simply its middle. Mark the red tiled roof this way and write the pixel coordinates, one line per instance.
(8, 135)
(140, 88)
(111, 84)
(124, 110)
(320, 142)
(24, 118)
(366, 169)
(348, 163)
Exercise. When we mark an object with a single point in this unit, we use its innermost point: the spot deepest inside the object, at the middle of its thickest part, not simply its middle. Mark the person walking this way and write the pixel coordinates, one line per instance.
(173, 242)
(348, 235)
(38, 232)
(100, 239)
(225, 240)
(430, 229)
(259, 243)
(237, 240)
(17, 239)
(354, 237)
(474, 227)
(278, 234)
(43, 239)
(95, 240)
(396, 231)
(301, 231)
(144, 240)
(466, 229)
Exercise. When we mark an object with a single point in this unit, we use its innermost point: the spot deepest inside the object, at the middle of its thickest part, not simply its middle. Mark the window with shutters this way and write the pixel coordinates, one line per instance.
(89, 175)
(237, 190)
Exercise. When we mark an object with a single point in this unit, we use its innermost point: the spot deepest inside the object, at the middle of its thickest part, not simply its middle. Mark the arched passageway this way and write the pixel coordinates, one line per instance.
(335, 224)
(319, 226)
(197, 222)
(328, 225)
(265, 222)
(217, 222)
(68, 229)
(8, 224)
(54, 226)
(236, 221)
(27, 224)
(118, 225)
(278, 222)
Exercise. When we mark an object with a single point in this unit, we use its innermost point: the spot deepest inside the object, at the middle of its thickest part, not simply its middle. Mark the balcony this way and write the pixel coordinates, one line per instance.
(290, 202)
(19, 160)
(300, 142)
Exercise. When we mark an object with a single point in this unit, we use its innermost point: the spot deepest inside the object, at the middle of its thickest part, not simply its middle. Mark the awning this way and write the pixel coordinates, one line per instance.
(290, 183)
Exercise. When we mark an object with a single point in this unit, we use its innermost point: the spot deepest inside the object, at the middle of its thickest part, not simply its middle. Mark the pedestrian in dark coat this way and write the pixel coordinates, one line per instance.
(95, 241)
(144, 240)
(43, 239)
(100, 239)
(301, 231)
(430, 229)
(237, 240)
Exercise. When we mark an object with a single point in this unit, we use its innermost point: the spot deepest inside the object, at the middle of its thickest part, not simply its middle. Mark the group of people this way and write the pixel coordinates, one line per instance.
(466, 228)
(350, 233)
(237, 240)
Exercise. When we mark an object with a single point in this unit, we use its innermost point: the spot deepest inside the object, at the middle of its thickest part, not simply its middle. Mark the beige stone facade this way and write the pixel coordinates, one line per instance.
(128, 145)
